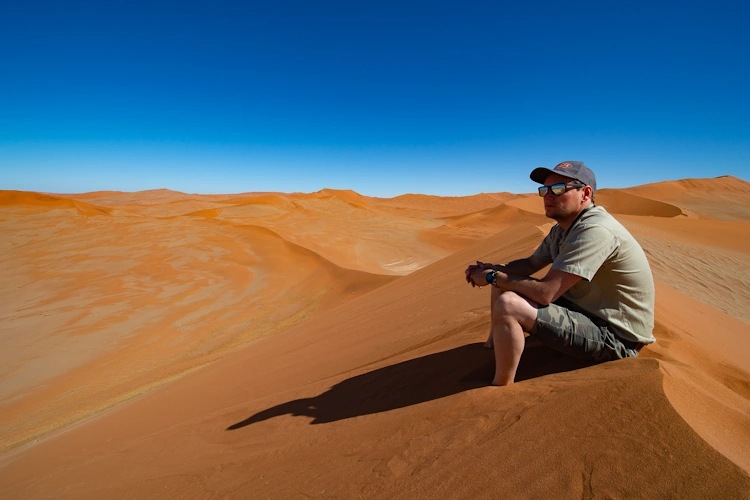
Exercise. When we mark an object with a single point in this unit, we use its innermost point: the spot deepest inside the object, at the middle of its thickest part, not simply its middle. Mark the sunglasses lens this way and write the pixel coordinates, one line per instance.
(558, 189)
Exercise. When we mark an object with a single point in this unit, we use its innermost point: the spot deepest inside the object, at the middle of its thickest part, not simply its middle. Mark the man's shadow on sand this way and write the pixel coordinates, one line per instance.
(415, 381)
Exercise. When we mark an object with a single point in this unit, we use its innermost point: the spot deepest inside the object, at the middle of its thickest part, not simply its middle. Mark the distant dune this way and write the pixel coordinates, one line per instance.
(622, 203)
(723, 198)
(268, 345)
(23, 198)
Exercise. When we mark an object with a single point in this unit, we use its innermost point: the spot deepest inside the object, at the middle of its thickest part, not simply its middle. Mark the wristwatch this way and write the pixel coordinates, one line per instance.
(491, 277)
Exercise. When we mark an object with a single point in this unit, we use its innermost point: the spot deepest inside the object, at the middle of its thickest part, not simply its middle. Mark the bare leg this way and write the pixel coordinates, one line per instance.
(511, 316)
(494, 294)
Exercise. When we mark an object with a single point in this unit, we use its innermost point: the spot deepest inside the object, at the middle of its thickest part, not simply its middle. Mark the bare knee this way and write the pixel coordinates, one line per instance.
(507, 303)
(510, 305)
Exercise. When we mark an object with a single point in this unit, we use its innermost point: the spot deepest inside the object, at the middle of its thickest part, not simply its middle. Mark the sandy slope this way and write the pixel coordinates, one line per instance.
(109, 294)
(97, 309)
(722, 198)
(706, 259)
(381, 392)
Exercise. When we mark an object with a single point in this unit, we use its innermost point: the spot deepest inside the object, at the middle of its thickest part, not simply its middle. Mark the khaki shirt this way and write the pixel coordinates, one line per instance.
(617, 284)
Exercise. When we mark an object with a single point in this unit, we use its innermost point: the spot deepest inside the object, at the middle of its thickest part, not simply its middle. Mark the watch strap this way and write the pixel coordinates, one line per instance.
(491, 277)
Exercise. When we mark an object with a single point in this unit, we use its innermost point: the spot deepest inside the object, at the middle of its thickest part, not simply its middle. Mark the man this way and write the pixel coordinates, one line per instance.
(597, 300)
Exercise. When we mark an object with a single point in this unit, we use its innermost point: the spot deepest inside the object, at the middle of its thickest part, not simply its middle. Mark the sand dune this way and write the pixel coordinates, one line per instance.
(459, 231)
(723, 198)
(269, 364)
(706, 259)
(446, 206)
(621, 203)
(142, 301)
(93, 195)
(503, 215)
(373, 235)
(270, 200)
(150, 197)
(26, 199)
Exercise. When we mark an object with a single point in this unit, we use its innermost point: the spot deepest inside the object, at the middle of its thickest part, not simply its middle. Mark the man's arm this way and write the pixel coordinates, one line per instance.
(543, 291)
(593, 245)
(521, 267)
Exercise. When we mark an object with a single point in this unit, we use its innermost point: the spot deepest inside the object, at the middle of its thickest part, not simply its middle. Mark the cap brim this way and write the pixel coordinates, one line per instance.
(539, 175)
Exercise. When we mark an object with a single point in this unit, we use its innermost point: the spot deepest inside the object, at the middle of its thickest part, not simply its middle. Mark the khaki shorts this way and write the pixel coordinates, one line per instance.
(565, 328)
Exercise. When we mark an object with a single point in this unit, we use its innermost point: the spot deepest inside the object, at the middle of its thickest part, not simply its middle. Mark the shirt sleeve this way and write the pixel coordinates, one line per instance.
(543, 253)
(585, 250)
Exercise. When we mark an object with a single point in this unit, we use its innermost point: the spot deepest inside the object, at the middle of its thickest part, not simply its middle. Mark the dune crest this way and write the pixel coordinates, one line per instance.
(25, 198)
(723, 198)
(621, 203)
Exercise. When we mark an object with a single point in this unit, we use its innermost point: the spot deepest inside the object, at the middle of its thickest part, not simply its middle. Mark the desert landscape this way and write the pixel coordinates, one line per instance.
(159, 344)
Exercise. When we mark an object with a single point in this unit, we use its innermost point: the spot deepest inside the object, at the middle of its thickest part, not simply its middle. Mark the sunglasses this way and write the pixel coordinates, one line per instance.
(558, 189)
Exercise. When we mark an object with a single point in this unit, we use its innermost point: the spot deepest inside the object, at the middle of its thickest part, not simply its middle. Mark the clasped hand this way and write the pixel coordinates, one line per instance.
(476, 273)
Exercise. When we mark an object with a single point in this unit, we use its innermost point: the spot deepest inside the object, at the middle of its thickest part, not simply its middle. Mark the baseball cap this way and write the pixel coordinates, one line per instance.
(573, 169)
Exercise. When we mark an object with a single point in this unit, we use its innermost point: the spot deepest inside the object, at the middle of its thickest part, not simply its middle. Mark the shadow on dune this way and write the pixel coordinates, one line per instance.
(415, 381)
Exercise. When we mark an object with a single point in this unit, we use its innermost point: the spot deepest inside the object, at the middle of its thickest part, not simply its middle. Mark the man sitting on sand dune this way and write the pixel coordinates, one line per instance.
(597, 300)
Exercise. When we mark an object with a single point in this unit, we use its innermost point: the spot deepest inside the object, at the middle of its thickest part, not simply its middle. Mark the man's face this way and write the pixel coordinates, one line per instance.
(565, 205)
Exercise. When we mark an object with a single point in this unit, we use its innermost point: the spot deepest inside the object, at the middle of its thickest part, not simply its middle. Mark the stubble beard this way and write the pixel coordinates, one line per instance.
(557, 213)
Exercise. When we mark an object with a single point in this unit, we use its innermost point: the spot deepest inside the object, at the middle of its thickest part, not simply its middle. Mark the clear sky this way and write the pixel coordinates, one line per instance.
(447, 98)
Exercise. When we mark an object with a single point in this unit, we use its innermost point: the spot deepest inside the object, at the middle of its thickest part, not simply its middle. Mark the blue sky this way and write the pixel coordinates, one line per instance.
(448, 98)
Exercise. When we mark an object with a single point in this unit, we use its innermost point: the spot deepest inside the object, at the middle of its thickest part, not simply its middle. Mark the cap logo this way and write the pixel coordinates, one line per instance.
(564, 165)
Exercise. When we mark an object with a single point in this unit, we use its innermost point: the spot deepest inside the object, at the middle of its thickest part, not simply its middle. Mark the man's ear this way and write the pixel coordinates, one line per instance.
(588, 193)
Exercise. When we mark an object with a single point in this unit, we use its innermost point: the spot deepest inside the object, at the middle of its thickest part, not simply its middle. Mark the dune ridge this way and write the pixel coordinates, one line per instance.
(311, 360)
(723, 198)
(24, 198)
(623, 203)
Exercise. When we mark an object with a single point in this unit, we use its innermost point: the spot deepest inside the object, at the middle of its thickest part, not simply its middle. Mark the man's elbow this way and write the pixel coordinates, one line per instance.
(543, 300)
(547, 296)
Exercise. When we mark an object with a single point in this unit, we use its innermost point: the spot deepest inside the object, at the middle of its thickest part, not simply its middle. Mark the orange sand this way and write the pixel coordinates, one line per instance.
(160, 344)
